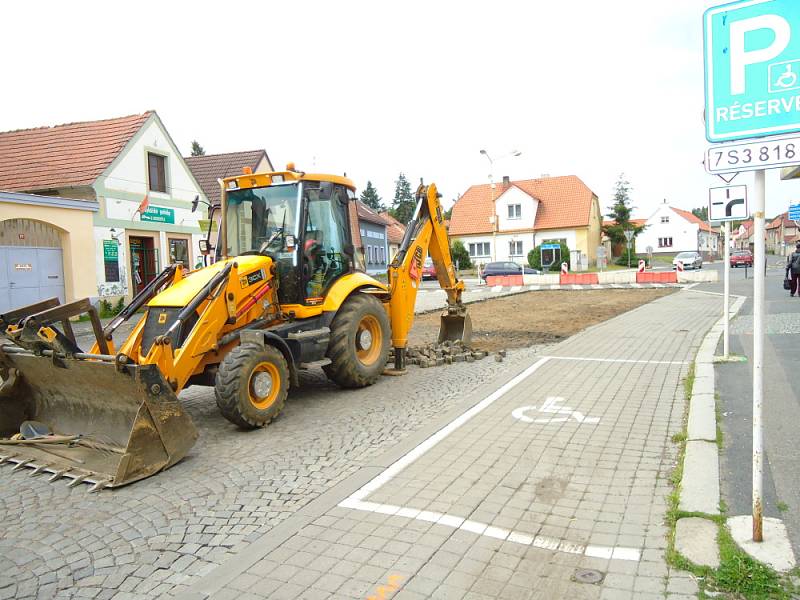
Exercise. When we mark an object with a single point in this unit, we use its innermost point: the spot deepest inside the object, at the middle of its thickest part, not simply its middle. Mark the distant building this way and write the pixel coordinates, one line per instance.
(395, 231)
(782, 235)
(506, 222)
(135, 184)
(670, 230)
(209, 168)
(374, 242)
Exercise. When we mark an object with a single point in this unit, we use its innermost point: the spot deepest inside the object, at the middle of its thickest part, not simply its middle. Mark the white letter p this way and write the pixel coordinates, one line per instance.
(740, 58)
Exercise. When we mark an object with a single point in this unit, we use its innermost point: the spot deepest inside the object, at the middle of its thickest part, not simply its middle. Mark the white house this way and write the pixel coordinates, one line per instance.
(505, 222)
(670, 230)
(131, 167)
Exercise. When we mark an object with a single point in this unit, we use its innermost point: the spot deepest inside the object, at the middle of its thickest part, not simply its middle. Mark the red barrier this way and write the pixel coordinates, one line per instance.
(504, 280)
(657, 277)
(578, 278)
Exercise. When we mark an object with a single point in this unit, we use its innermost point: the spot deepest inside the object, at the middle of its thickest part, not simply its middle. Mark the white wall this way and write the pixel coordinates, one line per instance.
(528, 206)
(558, 234)
(682, 232)
(129, 172)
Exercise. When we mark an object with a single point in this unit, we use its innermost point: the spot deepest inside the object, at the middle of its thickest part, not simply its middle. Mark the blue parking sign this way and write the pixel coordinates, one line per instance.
(752, 69)
(794, 212)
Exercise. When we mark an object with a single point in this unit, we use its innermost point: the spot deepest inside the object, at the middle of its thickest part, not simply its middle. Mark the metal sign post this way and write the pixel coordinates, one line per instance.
(752, 75)
(759, 274)
(726, 295)
(629, 237)
(727, 204)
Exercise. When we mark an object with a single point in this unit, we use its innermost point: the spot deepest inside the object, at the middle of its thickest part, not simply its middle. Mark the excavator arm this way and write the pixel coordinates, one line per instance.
(425, 234)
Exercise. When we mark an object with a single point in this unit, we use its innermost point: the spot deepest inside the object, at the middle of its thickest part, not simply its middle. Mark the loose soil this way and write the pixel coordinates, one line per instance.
(531, 318)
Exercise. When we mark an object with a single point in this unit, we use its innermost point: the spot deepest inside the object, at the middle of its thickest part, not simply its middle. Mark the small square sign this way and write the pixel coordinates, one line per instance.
(728, 203)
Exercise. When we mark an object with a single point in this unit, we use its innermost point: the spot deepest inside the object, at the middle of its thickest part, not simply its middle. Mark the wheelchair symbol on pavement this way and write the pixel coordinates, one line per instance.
(552, 405)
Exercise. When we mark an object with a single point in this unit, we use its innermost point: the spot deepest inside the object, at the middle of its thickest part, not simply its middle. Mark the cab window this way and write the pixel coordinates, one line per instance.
(325, 236)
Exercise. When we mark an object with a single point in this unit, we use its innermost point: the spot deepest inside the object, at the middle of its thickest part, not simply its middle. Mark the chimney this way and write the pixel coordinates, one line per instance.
(506, 181)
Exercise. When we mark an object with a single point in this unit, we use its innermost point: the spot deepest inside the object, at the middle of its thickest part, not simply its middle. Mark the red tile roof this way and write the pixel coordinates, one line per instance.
(365, 213)
(355, 232)
(395, 230)
(692, 218)
(564, 202)
(207, 169)
(632, 221)
(69, 155)
(777, 221)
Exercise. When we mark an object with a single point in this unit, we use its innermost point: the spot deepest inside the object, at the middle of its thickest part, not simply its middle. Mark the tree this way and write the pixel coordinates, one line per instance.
(459, 254)
(620, 214)
(197, 149)
(371, 198)
(403, 203)
(701, 213)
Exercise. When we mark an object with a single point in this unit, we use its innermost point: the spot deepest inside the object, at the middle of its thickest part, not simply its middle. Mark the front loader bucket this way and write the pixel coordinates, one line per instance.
(455, 327)
(128, 422)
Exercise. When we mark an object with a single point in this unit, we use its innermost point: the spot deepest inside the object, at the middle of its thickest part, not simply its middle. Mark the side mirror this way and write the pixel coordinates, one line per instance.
(205, 247)
(194, 203)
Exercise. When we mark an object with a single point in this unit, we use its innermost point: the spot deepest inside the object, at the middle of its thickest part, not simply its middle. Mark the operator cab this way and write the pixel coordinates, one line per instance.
(302, 225)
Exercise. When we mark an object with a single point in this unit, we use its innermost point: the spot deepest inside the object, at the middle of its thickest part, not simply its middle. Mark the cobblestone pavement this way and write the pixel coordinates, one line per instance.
(564, 467)
(150, 538)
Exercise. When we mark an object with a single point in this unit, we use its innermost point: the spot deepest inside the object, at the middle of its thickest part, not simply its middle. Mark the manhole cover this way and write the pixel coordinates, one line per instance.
(587, 576)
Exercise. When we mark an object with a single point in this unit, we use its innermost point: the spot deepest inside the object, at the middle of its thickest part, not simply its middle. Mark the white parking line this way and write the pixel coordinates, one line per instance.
(357, 500)
(539, 541)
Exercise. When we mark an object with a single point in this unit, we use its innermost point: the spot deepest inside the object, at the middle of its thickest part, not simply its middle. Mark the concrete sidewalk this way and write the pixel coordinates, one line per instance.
(557, 469)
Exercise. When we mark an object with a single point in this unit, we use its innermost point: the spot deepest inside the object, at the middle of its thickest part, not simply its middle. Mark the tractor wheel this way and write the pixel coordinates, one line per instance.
(251, 385)
(359, 343)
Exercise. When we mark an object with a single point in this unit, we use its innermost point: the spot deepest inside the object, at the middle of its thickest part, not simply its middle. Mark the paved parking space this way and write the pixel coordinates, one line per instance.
(563, 467)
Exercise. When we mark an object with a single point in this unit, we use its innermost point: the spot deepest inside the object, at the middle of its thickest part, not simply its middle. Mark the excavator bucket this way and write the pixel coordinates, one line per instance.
(104, 423)
(455, 327)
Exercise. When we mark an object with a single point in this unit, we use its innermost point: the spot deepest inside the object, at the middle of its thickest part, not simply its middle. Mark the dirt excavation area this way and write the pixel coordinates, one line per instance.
(531, 318)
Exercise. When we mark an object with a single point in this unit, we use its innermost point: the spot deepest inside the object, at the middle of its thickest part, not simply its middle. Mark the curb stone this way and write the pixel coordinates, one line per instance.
(699, 491)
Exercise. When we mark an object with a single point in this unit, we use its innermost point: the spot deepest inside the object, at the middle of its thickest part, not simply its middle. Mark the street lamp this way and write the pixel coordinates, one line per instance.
(493, 219)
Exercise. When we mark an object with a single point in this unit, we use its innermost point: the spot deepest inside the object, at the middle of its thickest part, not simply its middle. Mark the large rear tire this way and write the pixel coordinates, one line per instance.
(359, 342)
(251, 386)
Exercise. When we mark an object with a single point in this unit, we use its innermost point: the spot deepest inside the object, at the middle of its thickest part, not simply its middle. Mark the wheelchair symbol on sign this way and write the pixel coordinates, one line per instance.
(551, 406)
(783, 76)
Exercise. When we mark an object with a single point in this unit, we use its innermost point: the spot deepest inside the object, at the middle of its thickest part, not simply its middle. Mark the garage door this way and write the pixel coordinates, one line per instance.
(28, 275)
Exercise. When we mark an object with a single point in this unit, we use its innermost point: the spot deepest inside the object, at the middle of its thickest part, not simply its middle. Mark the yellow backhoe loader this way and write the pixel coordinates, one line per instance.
(283, 295)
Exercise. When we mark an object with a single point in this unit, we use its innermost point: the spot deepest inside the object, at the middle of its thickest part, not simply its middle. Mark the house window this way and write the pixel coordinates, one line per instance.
(157, 174)
(665, 219)
(479, 249)
(514, 211)
(515, 248)
(665, 242)
(383, 254)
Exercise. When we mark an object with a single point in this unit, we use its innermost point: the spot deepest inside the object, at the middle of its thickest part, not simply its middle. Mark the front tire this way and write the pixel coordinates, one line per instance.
(359, 342)
(251, 386)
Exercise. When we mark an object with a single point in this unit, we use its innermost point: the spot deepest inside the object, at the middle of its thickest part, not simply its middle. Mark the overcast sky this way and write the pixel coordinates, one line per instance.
(374, 88)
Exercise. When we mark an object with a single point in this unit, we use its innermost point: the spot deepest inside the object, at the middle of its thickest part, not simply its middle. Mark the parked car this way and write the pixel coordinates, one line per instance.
(506, 268)
(428, 270)
(741, 258)
(690, 260)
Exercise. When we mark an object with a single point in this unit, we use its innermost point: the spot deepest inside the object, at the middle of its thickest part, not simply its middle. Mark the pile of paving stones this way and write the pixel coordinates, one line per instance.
(445, 353)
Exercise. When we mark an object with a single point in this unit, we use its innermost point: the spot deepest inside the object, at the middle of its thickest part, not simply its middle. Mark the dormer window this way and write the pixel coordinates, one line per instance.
(514, 211)
(665, 219)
